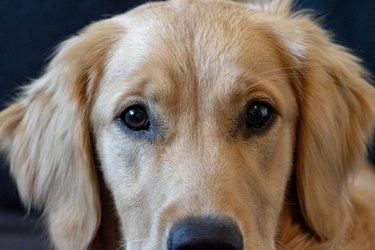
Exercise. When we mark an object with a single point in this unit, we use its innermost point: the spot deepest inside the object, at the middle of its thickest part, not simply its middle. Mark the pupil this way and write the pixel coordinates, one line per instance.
(136, 119)
(259, 113)
(258, 116)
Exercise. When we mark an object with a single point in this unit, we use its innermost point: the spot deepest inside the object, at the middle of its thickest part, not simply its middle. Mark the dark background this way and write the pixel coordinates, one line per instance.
(30, 30)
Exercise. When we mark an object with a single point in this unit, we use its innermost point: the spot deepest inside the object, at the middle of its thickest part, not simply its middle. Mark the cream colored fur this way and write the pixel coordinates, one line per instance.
(304, 183)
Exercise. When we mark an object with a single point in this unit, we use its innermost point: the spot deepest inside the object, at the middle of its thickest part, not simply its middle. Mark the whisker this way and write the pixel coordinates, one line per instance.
(251, 68)
(125, 245)
(274, 78)
(280, 245)
(121, 247)
(282, 69)
(273, 70)
(136, 241)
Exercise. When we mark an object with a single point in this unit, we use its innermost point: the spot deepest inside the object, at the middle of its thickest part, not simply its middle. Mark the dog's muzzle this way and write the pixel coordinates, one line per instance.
(205, 233)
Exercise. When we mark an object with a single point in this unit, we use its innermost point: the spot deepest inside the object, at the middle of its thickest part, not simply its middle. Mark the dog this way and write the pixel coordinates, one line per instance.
(193, 124)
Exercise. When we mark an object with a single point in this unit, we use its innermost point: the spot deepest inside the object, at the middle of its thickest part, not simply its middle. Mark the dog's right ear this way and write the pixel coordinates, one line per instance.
(46, 136)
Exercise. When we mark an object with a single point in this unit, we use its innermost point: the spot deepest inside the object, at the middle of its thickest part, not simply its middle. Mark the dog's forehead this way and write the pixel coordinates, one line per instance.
(201, 47)
(197, 36)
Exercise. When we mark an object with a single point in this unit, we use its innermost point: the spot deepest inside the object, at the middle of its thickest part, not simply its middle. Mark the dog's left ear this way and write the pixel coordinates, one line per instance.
(336, 113)
(336, 121)
(46, 135)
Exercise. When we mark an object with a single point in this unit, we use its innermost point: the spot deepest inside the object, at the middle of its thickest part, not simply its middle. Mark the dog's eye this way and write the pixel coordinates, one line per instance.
(259, 115)
(135, 118)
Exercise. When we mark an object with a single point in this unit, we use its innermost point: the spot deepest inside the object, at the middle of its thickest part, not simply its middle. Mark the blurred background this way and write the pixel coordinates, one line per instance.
(30, 30)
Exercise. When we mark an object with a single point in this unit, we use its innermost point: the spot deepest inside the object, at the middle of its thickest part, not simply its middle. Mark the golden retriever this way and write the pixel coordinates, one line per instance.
(194, 124)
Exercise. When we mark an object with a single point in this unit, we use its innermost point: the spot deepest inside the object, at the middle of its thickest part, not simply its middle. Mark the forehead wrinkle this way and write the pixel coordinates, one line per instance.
(195, 63)
(224, 48)
(200, 55)
(171, 59)
(148, 67)
(258, 63)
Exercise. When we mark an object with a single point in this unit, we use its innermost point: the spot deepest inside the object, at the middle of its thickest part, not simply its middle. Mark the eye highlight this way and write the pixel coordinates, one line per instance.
(135, 118)
(259, 115)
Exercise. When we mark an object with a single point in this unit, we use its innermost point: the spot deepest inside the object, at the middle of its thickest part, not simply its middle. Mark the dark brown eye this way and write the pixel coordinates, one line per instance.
(259, 115)
(135, 118)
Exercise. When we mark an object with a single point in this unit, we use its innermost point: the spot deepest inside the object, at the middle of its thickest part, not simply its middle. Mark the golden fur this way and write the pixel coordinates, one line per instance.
(302, 184)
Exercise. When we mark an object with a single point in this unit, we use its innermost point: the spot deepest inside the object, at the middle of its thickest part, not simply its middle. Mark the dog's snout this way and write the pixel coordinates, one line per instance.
(205, 233)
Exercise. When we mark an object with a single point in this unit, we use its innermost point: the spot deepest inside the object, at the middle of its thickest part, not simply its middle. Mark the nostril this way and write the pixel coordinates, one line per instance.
(205, 233)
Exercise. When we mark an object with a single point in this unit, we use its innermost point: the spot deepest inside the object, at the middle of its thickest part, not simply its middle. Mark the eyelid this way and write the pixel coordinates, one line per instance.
(263, 99)
(122, 106)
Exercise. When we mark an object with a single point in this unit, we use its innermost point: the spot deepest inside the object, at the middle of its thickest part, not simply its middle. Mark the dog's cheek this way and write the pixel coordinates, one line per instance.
(275, 169)
(118, 159)
(125, 163)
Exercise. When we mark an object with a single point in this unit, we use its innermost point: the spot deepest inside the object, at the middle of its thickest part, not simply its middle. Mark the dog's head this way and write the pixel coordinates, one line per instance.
(201, 117)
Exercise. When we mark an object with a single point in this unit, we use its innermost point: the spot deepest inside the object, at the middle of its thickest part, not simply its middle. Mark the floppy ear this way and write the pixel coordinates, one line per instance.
(336, 115)
(337, 119)
(46, 135)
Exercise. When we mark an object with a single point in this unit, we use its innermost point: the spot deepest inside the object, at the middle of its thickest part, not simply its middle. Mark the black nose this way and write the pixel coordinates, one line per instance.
(206, 233)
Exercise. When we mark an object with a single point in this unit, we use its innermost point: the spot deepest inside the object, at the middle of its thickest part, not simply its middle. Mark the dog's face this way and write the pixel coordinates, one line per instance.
(196, 122)
(205, 118)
